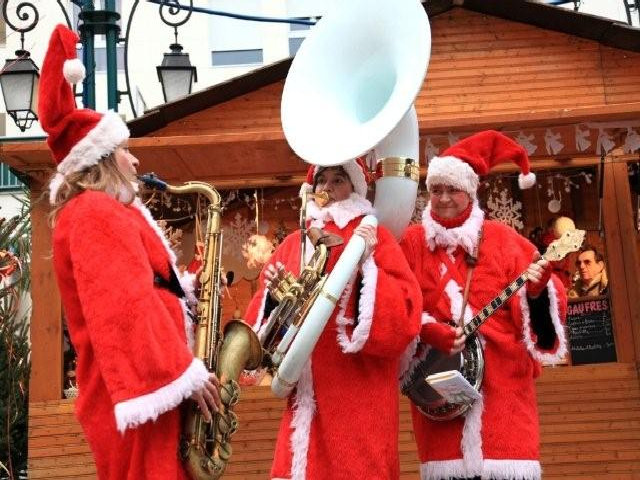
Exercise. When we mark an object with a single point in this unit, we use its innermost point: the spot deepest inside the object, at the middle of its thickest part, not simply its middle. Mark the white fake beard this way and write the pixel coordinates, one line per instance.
(340, 212)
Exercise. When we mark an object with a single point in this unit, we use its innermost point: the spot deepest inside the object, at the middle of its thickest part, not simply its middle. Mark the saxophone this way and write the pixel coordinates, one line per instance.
(205, 448)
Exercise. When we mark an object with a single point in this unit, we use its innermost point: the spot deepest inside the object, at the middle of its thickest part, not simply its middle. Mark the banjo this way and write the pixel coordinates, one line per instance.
(470, 362)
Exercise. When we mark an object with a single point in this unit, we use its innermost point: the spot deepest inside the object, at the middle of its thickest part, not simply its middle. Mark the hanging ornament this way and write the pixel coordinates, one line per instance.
(280, 234)
(555, 204)
(582, 139)
(257, 249)
(503, 208)
(604, 141)
(526, 142)
(632, 141)
(430, 150)
(173, 235)
(552, 142)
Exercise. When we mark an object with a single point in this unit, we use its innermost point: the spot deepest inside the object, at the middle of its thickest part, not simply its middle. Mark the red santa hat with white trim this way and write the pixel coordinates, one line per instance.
(461, 164)
(78, 138)
(355, 169)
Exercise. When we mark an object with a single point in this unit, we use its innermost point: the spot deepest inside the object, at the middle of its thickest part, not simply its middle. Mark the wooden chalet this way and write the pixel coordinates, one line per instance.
(518, 66)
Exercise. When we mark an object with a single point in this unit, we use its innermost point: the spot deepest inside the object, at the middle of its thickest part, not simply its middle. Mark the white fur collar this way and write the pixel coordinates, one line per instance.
(341, 213)
(465, 236)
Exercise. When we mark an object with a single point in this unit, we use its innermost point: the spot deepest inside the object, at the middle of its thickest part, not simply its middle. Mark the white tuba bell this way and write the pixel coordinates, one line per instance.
(350, 91)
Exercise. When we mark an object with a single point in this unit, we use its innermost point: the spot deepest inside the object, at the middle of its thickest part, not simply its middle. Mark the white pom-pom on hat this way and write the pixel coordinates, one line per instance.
(74, 71)
(526, 181)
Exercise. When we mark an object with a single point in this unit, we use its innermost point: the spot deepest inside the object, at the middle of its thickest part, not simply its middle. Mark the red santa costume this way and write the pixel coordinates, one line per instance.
(124, 304)
(341, 421)
(498, 438)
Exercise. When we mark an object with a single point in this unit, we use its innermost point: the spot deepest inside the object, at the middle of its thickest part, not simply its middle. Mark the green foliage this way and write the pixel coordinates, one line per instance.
(15, 248)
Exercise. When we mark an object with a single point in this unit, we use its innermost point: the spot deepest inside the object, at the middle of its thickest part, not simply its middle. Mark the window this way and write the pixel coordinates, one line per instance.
(236, 57)
(232, 41)
(8, 181)
(294, 45)
(100, 56)
(295, 27)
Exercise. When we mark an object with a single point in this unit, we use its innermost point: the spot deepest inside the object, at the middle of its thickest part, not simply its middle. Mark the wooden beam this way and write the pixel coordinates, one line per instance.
(618, 287)
(46, 315)
(628, 235)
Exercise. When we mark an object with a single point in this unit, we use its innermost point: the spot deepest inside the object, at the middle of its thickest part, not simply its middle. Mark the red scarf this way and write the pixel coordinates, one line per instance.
(455, 221)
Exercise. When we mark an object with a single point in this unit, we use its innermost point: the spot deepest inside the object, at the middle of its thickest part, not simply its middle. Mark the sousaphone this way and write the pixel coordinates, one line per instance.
(349, 93)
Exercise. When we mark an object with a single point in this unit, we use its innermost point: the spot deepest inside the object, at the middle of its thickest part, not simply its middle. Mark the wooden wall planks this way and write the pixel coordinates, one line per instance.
(589, 416)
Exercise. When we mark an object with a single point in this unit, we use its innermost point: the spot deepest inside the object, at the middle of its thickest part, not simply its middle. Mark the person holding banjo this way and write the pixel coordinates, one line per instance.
(462, 261)
(341, 421)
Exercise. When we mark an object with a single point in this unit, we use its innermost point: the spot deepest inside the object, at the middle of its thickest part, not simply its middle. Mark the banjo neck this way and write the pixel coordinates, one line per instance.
(568, 242)
(475, 323)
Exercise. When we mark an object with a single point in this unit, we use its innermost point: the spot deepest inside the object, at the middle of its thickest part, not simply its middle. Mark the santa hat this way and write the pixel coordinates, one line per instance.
(356, 169)
(78, 138)
(461, 164)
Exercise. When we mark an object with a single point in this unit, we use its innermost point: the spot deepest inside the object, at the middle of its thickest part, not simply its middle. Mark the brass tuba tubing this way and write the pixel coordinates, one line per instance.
(206, 447)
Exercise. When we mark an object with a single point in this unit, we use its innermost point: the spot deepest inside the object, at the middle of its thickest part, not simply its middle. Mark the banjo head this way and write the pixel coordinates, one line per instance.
(470, 363)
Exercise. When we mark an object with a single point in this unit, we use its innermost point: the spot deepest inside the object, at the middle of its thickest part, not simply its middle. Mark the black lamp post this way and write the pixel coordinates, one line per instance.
(19, 83)
(176, 74)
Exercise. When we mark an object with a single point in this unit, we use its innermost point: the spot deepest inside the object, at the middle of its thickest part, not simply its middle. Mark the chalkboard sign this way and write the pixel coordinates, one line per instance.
(590, 332)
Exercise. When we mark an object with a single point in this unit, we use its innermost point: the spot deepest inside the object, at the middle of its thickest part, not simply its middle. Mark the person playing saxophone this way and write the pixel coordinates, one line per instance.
(123, 300)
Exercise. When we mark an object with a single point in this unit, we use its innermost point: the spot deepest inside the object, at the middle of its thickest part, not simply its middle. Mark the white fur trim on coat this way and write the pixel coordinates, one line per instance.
(188, 284)
(101, 140)
(139, 410)
(519, 469)
(261, 324)
(304, 408)
(341, 213)
(188, 322)
(452, 171)
(471, 444)
(414, 354)
(365, 310)
(561, 351)
(465, 236)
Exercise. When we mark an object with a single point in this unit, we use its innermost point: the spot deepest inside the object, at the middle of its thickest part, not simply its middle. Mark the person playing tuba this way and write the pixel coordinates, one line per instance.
(341, 422)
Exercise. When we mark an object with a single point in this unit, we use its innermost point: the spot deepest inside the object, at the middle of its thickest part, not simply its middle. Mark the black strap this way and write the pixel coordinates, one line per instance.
(173, 284)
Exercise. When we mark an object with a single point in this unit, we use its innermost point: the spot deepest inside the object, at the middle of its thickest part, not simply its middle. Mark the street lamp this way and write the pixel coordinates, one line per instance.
(19, 83)
(176, 74)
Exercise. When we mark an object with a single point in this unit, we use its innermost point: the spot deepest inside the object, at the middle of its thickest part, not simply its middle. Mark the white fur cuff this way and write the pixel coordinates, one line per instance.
(139, 410)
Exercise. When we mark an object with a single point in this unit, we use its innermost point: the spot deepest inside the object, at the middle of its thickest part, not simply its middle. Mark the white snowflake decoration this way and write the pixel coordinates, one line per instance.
(236, 235)
(503, 209)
